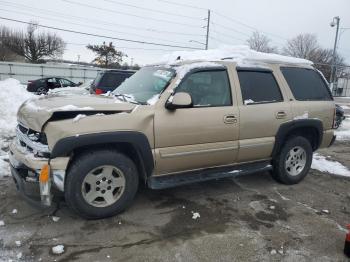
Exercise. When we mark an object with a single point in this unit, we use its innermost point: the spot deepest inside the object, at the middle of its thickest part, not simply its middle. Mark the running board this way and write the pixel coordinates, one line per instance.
(167, 181)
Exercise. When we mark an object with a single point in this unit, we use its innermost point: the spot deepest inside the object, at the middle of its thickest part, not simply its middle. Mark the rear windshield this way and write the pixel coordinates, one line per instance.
(110, 80)
(306, 84)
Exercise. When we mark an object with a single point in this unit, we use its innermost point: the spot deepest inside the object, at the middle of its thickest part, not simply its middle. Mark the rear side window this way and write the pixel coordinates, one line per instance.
(306, 84)
(259, 87)
(112, 80)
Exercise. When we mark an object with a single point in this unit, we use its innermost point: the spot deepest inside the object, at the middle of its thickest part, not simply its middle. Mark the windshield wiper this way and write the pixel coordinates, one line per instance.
(128, 98)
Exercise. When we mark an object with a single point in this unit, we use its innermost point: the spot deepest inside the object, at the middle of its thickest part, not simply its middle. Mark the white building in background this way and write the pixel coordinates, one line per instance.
(343, 87)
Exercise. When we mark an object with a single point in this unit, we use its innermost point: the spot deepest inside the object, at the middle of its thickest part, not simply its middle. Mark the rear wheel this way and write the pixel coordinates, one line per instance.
(293, 162)
(41, 90)
(101, 184)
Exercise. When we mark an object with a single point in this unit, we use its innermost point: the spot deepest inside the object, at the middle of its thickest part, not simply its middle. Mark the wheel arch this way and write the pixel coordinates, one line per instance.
(132, 143)
(311, 129)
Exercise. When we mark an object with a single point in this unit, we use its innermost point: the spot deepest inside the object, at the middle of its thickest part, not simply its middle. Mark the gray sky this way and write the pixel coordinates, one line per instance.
(278, 19)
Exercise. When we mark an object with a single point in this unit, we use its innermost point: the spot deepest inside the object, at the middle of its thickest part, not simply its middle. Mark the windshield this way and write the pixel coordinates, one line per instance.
(145, 84)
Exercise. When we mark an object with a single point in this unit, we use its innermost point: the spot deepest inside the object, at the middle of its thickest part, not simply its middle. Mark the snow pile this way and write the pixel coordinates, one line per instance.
(55, 219)
(343, 132)
(77, 90)
(241, 54)
(195, 215)
(78, 117)
(153, 99)
(69, 108)
(12, 95)
(322, 164)
(4, 166)
(59, 249)
(303, 116)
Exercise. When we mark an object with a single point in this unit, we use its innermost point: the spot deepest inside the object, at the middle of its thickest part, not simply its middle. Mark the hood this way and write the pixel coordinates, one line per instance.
(34, 113)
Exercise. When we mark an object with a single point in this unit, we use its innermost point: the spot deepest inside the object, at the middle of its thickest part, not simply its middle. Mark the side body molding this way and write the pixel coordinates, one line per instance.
(137, 139)
(288, 127)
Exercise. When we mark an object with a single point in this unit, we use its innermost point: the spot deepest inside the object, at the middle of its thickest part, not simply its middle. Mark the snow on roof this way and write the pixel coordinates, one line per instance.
(241, 54)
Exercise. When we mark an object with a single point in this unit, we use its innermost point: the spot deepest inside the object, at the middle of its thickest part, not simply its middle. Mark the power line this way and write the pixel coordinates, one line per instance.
(246, 25)
(184, 5)
(226, 35)
(128, 14)
(125, 47)
(152, 10)
(98, 21)
(224, 16)
(99, 28)
(230, 29)
(97, 35)
(221, 41)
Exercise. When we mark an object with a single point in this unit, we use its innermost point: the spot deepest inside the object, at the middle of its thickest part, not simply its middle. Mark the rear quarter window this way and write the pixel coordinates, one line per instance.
(306, 84)
(112, 80)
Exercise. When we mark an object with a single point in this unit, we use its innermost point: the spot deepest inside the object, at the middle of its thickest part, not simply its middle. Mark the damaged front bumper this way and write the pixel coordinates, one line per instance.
(25, 170)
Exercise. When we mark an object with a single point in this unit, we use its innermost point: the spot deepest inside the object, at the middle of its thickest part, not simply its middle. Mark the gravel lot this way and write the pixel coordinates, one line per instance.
(246, 218)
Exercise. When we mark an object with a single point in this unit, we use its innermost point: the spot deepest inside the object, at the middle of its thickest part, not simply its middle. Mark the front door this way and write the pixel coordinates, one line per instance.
(203, 136)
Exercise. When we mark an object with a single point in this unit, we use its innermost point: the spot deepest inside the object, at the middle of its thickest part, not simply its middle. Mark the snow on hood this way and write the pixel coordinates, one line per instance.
(34, 113)
(241, 54)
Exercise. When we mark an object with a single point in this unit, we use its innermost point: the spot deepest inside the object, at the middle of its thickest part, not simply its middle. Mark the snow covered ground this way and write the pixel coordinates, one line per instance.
(343, 132)
(323, 164)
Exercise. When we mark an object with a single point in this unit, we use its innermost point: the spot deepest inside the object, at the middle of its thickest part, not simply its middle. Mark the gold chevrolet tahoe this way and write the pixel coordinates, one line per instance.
(169, 125)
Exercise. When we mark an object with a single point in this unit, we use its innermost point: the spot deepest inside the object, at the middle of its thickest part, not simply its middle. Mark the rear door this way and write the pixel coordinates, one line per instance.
(66, 83)
(263, 107)
(53, 83)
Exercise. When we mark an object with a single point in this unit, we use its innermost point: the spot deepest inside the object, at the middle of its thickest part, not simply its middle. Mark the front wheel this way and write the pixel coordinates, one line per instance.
(294, 161)
(101, 184)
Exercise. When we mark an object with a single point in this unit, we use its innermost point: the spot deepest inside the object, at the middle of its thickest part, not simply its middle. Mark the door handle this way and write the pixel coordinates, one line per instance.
(230, 119)
(281, 114)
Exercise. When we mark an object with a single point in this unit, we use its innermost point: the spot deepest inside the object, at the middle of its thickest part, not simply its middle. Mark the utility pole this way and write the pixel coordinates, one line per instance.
(207, 36)
(336, 21)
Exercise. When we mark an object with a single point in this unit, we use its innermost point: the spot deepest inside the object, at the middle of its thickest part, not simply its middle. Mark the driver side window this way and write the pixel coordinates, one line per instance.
(207, 88)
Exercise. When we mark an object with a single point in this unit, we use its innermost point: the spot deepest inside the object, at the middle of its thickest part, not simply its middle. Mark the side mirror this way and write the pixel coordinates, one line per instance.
(179, 100)
(79, 83)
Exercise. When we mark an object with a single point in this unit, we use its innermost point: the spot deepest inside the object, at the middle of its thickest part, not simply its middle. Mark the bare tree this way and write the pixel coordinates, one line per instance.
(5, 53)
(306, 46)
(106, 55)
(322, 59)
(35, 46)
(260, 42)
(302, 46)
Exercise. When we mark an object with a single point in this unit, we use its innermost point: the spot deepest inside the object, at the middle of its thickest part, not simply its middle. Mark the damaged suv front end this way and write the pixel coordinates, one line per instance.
(30, 158)
(36, 172)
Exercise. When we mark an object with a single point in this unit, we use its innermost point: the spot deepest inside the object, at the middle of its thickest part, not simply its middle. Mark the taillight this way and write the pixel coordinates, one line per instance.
(335, 118)
(98, 91)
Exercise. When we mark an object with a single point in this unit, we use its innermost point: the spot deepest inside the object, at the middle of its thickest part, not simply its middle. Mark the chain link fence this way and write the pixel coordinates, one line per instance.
(341, 83)
(341, 86)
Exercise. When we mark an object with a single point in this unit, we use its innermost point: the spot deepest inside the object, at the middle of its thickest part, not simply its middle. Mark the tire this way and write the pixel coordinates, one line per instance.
(293, 162)
(41, 90)
(95, 179)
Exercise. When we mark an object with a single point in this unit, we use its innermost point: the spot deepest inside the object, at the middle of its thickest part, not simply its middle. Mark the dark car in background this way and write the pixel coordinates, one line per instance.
(109, 80)
(339, 115)
(43, 85)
